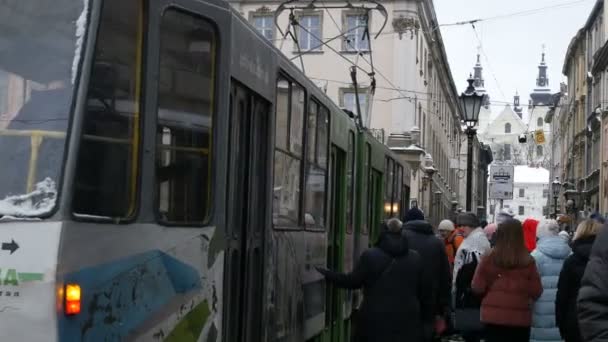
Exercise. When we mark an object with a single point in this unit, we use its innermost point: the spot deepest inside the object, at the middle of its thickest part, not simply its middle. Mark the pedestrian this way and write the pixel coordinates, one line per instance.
(508, 280)
(419, 233)
(504, 215)
(452, 238)
(489, 230)
(570, 280)
(395, 300)
(550, 253)
(466, 303)
(564, 235)
(530, 226)
(593, 295)
(598, 217)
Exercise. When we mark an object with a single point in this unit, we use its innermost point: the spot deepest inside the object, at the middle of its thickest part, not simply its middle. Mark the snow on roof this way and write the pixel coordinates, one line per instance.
(526, 174)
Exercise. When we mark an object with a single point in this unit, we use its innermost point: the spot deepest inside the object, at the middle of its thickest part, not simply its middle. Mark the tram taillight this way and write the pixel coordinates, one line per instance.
(72, 299)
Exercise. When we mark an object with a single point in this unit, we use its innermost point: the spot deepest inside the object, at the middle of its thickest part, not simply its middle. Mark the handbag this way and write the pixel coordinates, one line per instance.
(467, 312)
(468, 320)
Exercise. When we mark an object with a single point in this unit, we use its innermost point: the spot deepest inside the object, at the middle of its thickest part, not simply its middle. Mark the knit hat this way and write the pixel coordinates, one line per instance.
(530, 227)
(467, 219)
(413, 214)
(446, 225)
(503, 215)
(547, 228)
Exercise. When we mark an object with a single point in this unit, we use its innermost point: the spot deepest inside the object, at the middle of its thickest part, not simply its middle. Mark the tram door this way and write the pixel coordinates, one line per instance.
(248, 167)
(334, 243)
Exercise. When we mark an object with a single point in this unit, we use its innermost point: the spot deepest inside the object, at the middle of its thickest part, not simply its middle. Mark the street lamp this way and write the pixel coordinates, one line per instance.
(470, 103)
(556, 187)
(427, 179)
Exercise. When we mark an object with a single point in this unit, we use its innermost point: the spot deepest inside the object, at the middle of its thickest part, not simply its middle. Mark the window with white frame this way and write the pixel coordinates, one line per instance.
(354, 27)
(264, 24)
(309, 32)
(349, 102)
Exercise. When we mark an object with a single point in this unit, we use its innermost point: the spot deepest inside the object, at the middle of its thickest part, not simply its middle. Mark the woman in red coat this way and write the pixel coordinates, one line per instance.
(530, 234)
(509, 282)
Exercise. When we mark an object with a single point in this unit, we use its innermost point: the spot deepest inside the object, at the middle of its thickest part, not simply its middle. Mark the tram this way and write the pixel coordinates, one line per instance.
(168, 175)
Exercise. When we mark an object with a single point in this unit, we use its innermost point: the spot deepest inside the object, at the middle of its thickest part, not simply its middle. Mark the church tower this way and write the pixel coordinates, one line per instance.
(516, 105)
(542, 93)
(480, 85)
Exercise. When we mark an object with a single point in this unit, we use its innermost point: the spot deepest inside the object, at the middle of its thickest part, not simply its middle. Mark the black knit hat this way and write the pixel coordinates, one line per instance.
(467, 219)
(413, 214)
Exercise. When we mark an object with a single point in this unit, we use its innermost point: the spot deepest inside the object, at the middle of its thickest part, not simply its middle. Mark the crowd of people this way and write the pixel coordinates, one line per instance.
(505, 281)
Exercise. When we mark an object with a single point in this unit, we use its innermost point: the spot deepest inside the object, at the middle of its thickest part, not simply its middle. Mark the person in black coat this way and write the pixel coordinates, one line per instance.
(421, 238)
(394, 297)
(570, 280)
(592, 303)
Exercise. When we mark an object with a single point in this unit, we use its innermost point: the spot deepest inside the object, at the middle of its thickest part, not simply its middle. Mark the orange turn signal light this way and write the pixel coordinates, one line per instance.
(72, 299)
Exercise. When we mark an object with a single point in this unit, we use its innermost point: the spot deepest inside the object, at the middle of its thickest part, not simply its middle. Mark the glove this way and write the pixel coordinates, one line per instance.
(322, 270)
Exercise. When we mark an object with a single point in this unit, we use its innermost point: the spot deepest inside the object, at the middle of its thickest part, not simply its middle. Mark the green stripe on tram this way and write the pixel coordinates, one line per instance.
(191, 326)
(28, 277)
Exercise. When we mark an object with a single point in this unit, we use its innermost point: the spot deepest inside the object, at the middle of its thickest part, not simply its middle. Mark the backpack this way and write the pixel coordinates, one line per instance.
(465, 298)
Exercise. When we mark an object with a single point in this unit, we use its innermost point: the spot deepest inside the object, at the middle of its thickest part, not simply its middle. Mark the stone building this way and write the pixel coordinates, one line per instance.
(530, 193)
(582, 120)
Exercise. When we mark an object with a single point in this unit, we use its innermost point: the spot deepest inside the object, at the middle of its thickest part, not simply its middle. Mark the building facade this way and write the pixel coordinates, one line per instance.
(537, 147)
(504, 131)
(597, 62)
(530, 193)
(411, 101)
(581, 121)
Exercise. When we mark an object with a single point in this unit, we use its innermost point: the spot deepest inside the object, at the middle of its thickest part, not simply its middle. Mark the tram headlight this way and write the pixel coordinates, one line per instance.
(72, 299)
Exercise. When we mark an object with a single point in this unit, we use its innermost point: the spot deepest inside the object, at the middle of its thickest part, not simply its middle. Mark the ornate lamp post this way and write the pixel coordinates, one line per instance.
(470, 103)
(427, 179)
(556, 187)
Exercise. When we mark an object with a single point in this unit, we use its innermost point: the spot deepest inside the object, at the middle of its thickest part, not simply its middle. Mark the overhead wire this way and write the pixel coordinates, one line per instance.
(483, 52)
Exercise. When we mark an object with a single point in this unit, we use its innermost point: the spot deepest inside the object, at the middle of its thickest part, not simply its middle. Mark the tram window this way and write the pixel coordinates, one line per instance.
(322, 136)
(316, 174)
(350, 186)
(282, 114)
(296, 120)
(366, 188)
(107, 166)
(311, 131)
(289, 137)
(397, 189)
(184, 128)
(389, 183)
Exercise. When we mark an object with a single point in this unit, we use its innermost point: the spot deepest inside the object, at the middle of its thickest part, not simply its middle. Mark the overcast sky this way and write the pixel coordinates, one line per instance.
(513, 45)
